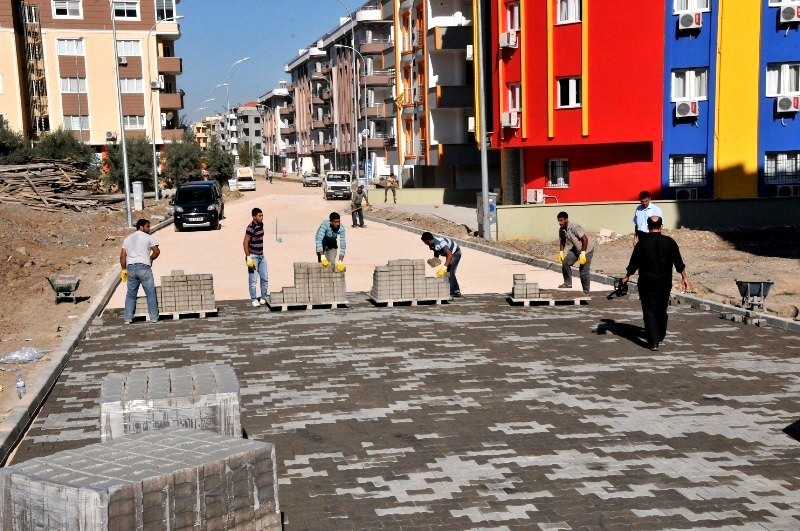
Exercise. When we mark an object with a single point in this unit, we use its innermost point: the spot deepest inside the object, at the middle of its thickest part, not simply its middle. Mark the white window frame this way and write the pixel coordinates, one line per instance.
(161, 11)
(131, 85)
(690, 6)
(512, 16)
(778, 3)
(69, 5)
(73, 85)
(696, 165)
(568, 11)
(129, 48)
(695, 84)
(778, 82)
(575, 88)
(71, 47)
(133, 123)
(514, 97)
(70, 123)
(127, 5)
(561, 181)
(782, 167)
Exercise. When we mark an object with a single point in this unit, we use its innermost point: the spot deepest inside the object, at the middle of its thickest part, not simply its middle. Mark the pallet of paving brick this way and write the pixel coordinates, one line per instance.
(408, 302)
(181, 295)
(203, 396)
(315, 287)
(177, 478)
(403, 282)
(550, 298)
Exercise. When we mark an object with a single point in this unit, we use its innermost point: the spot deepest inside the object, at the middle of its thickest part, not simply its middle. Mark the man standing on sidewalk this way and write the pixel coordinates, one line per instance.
(581, 251)
(136, 259)
(330, 239)
(254, 257)
(391, 184)
(442, 246)
(357, 206)
(643, 212)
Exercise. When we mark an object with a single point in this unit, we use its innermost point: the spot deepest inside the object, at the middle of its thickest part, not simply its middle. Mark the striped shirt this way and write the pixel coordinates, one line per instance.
(442, 244)
(256, 233)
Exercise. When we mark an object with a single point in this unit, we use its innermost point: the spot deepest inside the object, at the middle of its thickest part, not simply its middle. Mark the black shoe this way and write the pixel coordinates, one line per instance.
(354, 226)
(457, 294)
(654, 347)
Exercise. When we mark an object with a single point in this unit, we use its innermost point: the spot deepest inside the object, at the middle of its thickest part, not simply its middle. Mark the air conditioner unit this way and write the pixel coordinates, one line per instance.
(508, 39)
(787, 104)
(534, 196)
(111, 135)
(510, 119)
(687, 109)
(154, 85)
(790, 13)
(788, 190)
(122, 60)
(688, 21)
(684, 194)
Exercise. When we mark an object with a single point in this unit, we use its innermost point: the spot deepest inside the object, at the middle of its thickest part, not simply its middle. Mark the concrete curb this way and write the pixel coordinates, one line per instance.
(16, 423)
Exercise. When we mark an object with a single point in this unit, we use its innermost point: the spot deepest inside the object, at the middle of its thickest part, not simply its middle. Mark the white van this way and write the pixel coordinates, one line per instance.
(337, 184)
(245, 179)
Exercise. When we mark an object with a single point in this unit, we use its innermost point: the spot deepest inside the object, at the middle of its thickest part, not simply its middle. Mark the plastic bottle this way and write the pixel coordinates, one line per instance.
(20, 385)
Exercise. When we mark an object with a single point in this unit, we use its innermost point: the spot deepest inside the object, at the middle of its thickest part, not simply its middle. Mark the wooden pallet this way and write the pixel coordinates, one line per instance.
(542, 301)
(162, 316)
(288, 306)
(406, 302)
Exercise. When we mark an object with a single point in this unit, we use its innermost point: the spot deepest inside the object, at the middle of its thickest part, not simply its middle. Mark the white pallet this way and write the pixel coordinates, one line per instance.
(202, 314)
(306, 306)
(411, 302)
(549, 301)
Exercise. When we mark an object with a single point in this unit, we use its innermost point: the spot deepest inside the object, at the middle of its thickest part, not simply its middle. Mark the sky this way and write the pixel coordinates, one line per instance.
(217, 33)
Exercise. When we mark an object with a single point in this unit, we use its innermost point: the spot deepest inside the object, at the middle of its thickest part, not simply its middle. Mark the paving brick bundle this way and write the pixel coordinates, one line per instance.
(313, 284)
(523, 289)
(203, 396)
(404, 279)
(176, 478)
(180, 293)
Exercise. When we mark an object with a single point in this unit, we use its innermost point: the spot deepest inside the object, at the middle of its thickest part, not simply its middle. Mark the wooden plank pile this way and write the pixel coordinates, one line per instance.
(50, 185)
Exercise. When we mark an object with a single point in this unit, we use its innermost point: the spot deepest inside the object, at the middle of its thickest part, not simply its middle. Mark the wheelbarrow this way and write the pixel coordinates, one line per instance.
(65, 286)
(753, 293)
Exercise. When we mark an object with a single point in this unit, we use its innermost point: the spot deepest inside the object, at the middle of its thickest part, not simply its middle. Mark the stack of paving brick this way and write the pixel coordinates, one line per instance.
(524, 290)
(203, 396)
(176, 478)
(181, 293)
(405, 280)
(313, 284)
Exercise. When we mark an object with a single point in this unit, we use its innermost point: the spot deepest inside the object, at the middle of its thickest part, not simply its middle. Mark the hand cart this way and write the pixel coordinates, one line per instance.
(753, 293)
(65, 286)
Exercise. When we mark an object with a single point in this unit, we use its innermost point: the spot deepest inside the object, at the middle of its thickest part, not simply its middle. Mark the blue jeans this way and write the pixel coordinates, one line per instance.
(454, 287)
(260, 271)
(140, 274)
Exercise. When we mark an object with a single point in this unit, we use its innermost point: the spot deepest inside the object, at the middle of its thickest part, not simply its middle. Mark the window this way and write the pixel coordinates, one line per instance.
(569, 92)
(781, 168)
(558, 173)
(257, 146)
(131, 85)
(257, 133)
(512, 16)
(690, 84)
(67, 9)
(256, 120)
(133, 122)
(73, 85)
(127, 9)
(246, 131)
(70, 47)
(687, 170)
(691, 6)
(245, 119)
(76, 123)
(165, 9)
(569, 11)
(129, 48)
(514, 97)
(783, 79)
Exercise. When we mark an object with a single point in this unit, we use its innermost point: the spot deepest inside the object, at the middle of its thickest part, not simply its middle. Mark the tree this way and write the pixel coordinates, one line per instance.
(62, 144)
(13, 147)
(183, 161)
(245, 151)
(140, 163)
(220, 164)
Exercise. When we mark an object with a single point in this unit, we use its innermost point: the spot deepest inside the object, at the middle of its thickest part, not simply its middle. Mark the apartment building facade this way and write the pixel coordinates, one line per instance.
(65, 65)
(249, 127)
(278, 129)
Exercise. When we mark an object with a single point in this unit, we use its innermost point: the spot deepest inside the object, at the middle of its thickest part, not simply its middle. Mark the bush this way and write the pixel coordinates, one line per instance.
(14, 148)
(61, 144)
(219, 163)
(140, 164)
(183, 161)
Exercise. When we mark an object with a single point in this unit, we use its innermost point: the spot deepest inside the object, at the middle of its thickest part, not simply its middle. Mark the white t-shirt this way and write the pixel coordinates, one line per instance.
(137, 246)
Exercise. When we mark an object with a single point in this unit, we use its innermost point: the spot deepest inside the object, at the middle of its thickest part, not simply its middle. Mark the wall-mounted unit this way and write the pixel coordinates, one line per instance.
(690, 21)
(684, 194)
(510, 119)
(687, 109)
(470, 52)
(111, 136)
(470, 124)
(534, 196)
(785, 104)
(790, 12)
(123, 60)
(508, 39)
(788, 190)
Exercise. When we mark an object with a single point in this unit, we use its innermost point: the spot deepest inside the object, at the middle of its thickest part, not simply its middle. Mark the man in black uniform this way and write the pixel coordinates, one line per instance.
(654, 258)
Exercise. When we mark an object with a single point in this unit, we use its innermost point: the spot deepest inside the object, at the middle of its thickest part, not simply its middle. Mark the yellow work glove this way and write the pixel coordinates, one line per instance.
(582, 258)
(441, 272)
(250, 263)
(561, 257)
(340, 267)
(123, 276)
(324, 261)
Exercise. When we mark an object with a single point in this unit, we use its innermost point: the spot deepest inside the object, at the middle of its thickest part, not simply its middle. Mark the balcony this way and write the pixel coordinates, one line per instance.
(286, 111)
(318, 75)
(316, 100)
(291, 150)
(326, 94)
(452, 37)
(325, 68)
(382, 78)
(170, 101)
(377, 110)
(423, 149)
(172, 135)
(380, 140)
(328, 146)
(318, 148)
(375, 46)
(452, 96)
(409, 151)
(327, 120)
(370, 13)
(288, 130)
(170, 65)
(318, 124)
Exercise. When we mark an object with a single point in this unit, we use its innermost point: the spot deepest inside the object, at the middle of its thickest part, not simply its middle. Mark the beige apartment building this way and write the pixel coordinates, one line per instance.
(64, 68)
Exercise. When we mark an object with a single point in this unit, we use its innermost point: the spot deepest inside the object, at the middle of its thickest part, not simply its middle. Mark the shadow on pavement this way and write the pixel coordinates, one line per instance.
(633, 333)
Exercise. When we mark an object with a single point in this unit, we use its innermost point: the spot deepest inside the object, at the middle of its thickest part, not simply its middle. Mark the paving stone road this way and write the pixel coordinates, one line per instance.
(477, 414)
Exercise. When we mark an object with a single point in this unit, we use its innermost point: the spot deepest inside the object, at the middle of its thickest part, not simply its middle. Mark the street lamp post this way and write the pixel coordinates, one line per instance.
(355, 83)
(355, 115)
(152, 116)
(126, 176)
(228, 96)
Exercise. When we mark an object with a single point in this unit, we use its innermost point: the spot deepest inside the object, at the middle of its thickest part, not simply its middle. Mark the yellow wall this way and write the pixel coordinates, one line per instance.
(736, 166)
(10, 101)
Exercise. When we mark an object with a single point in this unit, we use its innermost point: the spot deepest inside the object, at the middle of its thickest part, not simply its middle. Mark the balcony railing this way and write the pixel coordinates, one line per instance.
(375, 45)
(409, 152)
(170, 65)
(317, 74)
(289, 109)
(327, 120)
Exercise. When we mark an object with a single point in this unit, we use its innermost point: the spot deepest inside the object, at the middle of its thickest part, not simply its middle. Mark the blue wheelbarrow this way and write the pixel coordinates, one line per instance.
(65, 286)
(754, 293)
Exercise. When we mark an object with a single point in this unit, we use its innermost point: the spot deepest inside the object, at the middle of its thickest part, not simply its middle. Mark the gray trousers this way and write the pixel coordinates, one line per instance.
(584, 270)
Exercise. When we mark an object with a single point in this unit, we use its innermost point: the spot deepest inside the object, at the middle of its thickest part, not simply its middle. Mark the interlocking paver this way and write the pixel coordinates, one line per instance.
(478, 415)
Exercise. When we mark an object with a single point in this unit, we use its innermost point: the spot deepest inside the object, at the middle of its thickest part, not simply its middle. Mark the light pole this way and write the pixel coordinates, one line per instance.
(152, 116)
(228, 94)
(355, 83)
(355, 115)
(126, 177)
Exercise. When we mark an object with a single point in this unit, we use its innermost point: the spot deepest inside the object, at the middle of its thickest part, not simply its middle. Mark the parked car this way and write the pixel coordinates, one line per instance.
(311, 179)
(198, 204)
(337, 184)
(245, 179)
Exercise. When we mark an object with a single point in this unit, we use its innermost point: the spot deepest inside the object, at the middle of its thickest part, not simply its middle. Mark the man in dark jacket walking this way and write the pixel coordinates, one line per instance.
(654, 257)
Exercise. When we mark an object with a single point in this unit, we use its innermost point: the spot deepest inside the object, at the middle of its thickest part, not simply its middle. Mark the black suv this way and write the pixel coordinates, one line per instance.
(198, 204)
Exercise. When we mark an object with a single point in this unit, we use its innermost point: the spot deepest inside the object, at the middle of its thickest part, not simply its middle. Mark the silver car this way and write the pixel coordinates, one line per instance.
(311, 179)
